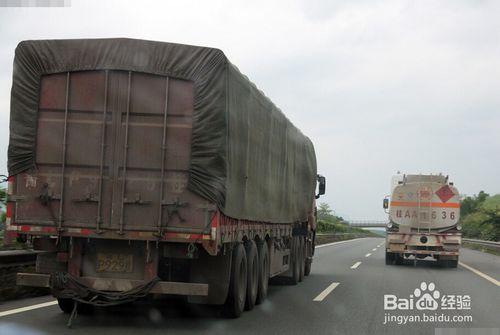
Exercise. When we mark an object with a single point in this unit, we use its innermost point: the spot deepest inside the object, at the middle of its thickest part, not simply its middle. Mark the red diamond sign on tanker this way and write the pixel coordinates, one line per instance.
(445, 193)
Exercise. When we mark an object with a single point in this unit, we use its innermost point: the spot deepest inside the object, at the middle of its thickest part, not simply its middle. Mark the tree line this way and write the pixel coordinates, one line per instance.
(480, 216)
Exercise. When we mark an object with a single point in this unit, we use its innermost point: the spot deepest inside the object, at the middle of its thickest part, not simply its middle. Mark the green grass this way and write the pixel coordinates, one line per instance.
(480, 248)
(483, 220)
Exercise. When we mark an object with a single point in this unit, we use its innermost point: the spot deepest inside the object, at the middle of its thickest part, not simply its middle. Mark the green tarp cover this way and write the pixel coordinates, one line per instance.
(246, 156)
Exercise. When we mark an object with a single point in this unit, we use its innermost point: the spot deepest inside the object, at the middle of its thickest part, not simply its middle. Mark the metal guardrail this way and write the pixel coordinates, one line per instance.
(367, 223)
(10, 258)
(13, 258)
(322, 238)
(341, 234)
(489, 244)
(336, 234)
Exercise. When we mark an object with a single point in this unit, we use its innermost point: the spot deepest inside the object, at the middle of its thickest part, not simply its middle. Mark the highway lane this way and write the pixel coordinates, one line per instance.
(353, 306)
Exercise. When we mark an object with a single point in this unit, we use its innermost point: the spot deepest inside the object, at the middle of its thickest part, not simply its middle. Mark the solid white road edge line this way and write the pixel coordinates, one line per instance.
(28, 308)
(368, 255)
(355, 265)
(326, 292)
(480, 274)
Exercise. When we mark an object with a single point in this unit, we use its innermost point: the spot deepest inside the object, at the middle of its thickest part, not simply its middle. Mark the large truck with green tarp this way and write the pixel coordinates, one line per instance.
(142, 167)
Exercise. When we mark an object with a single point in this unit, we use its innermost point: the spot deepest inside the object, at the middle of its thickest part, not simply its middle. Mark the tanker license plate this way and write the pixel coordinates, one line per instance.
(114, 263)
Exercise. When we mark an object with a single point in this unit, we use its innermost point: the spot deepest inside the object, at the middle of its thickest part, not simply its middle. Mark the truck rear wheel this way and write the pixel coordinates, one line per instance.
(302, 258)
(399, 259)
(235, 302)
(450, 263)
(252, 274)
(66, 305)
(308, 259)
(447, 262)
(307, 268)
(294, 261)
(263, 272)
(389, 258)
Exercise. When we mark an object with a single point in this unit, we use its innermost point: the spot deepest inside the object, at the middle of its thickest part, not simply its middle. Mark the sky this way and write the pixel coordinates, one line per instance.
(378, 86)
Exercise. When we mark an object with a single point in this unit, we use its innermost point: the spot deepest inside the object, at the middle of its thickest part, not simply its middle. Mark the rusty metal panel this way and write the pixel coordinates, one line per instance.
(113, 152)
(162, 287)
(119, 285)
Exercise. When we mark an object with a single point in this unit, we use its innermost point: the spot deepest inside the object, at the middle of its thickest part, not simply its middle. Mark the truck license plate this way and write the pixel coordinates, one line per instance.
(114, 263)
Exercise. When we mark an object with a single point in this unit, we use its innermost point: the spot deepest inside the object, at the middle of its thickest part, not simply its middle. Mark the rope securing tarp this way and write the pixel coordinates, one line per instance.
(67, 286)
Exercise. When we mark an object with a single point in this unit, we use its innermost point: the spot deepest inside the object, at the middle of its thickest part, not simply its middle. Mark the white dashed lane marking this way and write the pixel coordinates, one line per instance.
(326, 292)
(368, 255)
(355, 265)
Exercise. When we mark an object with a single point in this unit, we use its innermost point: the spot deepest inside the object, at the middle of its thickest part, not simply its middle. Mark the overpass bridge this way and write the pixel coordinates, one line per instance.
(367, 223)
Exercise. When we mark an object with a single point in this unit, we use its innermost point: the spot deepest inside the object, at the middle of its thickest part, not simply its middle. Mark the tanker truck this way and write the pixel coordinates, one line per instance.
(423, 219)
(143, 167)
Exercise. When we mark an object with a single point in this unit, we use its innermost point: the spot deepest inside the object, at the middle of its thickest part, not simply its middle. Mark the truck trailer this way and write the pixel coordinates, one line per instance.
(424, 211)
(143, 167)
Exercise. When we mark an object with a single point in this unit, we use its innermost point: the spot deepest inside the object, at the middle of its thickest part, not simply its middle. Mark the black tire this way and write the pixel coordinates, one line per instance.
(452, 263)
(236, 296)
(85, 309)
(440, 262)
(302, 258)
(263, 272)
(308, 260)
(398, 259)
(66, 305)
(294, 261)
(252, 274)
(307, 268)
(389, 258)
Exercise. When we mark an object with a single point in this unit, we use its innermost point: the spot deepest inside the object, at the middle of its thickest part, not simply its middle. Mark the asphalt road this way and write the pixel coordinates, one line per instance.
(341, 296)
